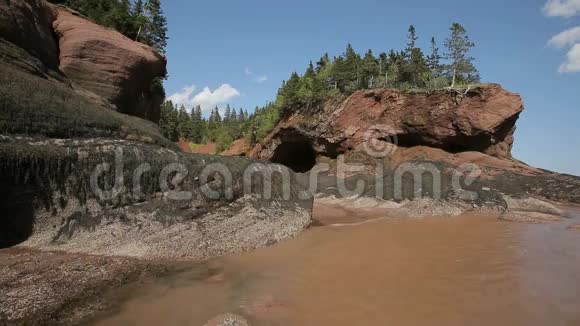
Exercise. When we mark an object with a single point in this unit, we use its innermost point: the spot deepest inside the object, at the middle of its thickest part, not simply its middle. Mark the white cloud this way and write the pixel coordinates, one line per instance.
(562, 8)
(207, 98)
(572, 63)
(566, 38)
(183, 97)
(256, 78)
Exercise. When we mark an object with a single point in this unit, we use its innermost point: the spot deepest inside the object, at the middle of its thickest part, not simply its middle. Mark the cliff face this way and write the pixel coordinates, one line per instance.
(391, 128)
(77, 176)
(115, 71)
(109, 64)
(481, 119)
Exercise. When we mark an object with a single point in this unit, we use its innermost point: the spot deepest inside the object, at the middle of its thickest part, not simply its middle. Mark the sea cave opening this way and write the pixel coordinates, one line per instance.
(298, 156)
(16, 220)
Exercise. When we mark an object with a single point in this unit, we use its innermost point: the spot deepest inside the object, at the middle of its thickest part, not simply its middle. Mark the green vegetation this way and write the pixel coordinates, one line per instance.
(138, 20)
(34, 106)
(178, 123)
(409, 70)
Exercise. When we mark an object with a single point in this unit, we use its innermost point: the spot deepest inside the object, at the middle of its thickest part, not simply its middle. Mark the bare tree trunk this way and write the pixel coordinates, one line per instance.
(138, 34)
(141, 26)
(454, 76)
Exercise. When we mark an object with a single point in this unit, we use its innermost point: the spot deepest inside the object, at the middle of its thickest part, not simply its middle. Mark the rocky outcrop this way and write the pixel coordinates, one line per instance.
(80, 178)
(110, 184)
(161, 203)
(28, 25)
(99, 63)
(91, 198)
(480, 119)
(108, 64)
(389, 139)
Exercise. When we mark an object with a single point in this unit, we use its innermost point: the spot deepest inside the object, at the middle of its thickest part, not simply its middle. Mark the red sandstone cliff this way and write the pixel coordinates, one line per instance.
(481, 119)
(102, 63)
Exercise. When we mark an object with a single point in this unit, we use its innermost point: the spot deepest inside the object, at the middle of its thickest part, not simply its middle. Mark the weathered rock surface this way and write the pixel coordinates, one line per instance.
(161, 203)
(480, 119)
(414, 145)
(57, 286)
(100, 63)
(28, 24)
(82, 180)
(108, 64)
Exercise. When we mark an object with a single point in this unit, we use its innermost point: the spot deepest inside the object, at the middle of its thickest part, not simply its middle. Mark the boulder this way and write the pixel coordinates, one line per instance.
(28, 25)
(109, 64)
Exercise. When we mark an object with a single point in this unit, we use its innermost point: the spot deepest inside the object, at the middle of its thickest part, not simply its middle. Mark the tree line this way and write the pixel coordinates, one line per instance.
(406, 69)
(179, 122)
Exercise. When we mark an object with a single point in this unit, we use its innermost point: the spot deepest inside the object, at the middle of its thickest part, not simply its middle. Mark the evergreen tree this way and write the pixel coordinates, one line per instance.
(168, 122)
(370, 70)
(458, 46)
(198, 125)
(289, 92)
(183, 123)
(434, 59)
(383, 68)
(416, 66)
(152, 24)
(322, 63)
(411, 43)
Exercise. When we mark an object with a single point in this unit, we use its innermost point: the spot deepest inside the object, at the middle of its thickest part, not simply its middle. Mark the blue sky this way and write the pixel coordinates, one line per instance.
(238, 52)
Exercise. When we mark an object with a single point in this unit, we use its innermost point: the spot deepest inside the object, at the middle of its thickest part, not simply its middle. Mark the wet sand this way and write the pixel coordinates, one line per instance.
(469, 270)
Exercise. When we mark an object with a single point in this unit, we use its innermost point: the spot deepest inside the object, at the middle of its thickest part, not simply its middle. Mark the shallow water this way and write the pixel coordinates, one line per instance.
(461, 271)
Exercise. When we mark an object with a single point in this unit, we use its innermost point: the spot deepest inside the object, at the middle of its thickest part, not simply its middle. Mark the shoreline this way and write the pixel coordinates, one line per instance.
(71, 288)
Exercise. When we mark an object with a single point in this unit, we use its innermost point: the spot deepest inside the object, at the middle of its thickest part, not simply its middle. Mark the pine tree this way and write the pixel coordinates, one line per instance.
(458, 46)
(289, 91)
(168, 123)
(370, 70)
(416, 65)
(183, 123)
(347, 71)
(155, 25)
(198, 125)
(322, 63)
(434, 59)
(227, 114)
(411, 43)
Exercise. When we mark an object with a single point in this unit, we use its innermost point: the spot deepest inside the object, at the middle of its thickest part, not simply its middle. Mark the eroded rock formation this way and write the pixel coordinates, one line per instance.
(108, 64)
(101, 63)
(79, 177)
(386, 131)
(481, 119)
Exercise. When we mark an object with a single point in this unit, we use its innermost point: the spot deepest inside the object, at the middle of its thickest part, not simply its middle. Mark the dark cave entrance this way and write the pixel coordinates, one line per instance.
(298, 156)
(16, 215)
